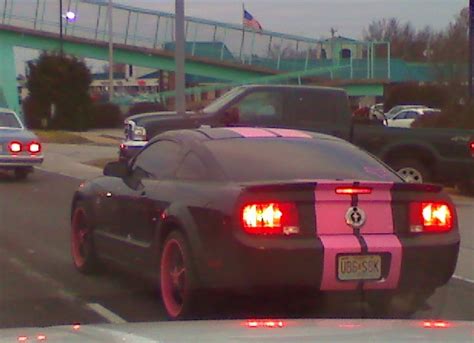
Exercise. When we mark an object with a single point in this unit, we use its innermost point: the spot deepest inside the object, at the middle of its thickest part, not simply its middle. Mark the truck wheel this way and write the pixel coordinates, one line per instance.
(411, 170)
(178, 282)
(21, 173)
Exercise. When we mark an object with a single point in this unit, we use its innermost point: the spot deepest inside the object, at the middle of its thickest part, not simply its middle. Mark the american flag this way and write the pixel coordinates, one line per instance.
(251, 22)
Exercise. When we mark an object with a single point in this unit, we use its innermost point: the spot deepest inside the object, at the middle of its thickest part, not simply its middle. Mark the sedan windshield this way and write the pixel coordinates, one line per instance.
(9, 120)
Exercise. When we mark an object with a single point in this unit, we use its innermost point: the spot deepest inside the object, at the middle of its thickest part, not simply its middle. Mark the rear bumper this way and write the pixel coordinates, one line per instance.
(249, 264)
(9, 162)
(128, 149)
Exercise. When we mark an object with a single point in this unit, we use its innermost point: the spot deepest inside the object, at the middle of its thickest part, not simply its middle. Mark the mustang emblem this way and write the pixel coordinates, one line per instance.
(355, 217)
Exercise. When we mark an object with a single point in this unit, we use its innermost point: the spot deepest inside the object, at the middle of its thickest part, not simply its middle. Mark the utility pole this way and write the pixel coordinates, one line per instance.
(471, 50)
(180, 100)
(111, 52)
(61, 49)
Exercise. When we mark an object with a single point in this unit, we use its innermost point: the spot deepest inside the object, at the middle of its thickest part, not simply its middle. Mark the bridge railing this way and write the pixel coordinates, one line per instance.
(155, 29)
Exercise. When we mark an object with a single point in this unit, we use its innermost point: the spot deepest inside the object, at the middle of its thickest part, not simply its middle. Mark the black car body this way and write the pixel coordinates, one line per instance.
(250, 209)
(435, 155)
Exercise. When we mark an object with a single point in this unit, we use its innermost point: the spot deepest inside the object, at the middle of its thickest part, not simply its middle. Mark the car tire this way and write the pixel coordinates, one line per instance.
(178, 282)
(82, 245)
(21, 174)
(411, 170)
(400, 305)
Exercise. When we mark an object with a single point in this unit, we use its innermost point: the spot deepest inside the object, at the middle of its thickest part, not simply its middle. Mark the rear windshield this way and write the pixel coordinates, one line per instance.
(269, 159)
(8, 119)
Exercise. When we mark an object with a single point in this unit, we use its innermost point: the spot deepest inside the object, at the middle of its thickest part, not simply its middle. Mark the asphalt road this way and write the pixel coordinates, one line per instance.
(39, 286)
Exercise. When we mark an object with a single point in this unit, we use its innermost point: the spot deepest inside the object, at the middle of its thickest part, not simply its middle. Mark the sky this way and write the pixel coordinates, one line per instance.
(310, 18)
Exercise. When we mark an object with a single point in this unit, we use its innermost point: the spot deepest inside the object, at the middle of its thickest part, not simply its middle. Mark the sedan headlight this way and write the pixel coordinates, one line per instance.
(139, 133)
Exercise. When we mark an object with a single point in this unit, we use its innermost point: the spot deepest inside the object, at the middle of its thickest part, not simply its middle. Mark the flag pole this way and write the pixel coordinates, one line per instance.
(243, 31)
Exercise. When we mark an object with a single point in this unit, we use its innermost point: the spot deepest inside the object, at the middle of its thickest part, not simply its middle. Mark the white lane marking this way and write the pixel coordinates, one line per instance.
(106, 313)
(463, 279)
(40, 278)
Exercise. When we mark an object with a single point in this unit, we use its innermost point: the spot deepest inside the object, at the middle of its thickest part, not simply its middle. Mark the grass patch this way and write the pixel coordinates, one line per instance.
(99, 163)
(62, 137)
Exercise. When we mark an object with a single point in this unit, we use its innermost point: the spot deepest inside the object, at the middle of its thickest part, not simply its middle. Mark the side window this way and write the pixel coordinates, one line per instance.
(192, 168)
(158, 160)
(402, 115)
(411, 115)
(310, 106)
(261, 108)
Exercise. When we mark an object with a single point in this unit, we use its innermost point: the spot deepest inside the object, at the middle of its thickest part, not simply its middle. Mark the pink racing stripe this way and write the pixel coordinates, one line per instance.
(384, 244)
(250, 132)
(334, 245)
(288, 133)
(378, 208)
(331, 209)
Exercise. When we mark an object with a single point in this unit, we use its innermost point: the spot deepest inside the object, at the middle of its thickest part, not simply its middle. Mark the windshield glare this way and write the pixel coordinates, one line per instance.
(216, 106)
(9, 120)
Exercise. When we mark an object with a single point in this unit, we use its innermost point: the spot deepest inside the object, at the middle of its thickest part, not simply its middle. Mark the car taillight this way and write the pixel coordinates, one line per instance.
(15, 147)
(353, 190)
(431, 217)
(471, 148)
(34, 147)
(270, 218)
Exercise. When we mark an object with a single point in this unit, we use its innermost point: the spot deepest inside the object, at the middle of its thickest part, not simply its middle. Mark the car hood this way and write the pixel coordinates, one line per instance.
(306, 330)
(19, 134)
(164, 114)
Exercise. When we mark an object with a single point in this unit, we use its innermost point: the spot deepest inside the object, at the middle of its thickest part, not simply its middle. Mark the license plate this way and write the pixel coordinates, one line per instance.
(359, 267)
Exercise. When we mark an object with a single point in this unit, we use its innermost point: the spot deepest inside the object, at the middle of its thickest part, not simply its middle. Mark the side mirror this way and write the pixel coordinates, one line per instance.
(116, 169)
(231, 116)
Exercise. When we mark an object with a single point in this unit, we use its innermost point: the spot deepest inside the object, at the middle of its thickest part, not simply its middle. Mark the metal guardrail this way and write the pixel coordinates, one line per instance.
(293, 77)
(155, 29)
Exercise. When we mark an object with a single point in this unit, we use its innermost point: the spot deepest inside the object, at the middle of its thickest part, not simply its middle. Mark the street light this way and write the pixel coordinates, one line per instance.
(70, 17)
(180, 100)
(111, 51)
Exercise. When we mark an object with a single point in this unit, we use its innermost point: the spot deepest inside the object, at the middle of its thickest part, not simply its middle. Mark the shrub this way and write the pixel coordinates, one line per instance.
(106, 116)
(145, 107)
(63, 81)
(35, 113)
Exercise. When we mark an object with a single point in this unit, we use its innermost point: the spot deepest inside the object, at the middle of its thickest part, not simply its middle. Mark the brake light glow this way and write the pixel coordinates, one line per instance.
(430, 217)
(436, 324)
(15, 147)
(34, 147)
(353, 190)
(270, 324)
(270, 218)
(471, 147)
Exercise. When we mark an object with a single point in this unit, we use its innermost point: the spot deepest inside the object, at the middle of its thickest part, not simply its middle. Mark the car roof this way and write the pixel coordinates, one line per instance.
(209, 134)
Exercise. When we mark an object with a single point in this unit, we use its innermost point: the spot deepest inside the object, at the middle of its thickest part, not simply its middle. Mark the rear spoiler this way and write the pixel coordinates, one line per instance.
(305, 185)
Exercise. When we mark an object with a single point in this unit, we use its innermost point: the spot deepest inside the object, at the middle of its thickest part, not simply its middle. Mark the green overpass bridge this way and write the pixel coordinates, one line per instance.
(224, 52)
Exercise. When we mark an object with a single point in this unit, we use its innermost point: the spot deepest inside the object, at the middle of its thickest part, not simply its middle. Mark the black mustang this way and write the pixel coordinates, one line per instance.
(252, 208)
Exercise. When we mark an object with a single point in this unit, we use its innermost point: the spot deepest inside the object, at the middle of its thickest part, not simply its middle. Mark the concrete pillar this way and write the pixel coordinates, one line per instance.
(8, 84)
